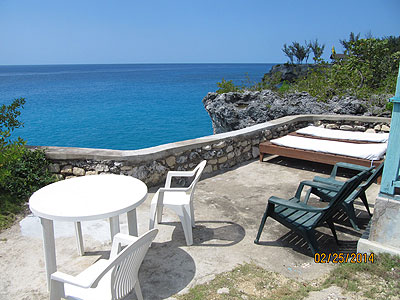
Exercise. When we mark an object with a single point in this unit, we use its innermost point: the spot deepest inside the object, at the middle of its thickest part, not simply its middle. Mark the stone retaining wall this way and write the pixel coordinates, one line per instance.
(222, 151)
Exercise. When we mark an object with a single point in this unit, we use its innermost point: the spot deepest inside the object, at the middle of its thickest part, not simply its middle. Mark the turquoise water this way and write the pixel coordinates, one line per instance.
(122, 107)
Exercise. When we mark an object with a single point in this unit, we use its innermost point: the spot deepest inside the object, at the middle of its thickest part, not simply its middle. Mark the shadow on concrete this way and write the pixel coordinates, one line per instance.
(307, 165)
(292, 240)
(165, 271)
(325, 239)
(209, 233)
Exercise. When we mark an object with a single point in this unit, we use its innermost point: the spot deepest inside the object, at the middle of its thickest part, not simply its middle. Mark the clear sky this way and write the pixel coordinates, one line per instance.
(181, 31)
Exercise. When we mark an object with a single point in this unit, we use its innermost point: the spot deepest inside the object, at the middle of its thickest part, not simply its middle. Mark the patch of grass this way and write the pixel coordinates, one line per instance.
(378, 280)
(251, 282)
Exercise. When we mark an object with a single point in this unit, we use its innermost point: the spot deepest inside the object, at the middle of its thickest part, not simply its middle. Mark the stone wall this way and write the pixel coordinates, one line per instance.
(222, 151)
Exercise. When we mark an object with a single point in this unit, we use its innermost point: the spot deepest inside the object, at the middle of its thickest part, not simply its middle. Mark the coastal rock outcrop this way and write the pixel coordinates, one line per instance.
(232, 111)
(288, 72)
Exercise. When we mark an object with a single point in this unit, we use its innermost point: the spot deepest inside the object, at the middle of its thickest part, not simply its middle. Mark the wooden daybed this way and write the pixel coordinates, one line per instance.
(325, 158)
(321, 157)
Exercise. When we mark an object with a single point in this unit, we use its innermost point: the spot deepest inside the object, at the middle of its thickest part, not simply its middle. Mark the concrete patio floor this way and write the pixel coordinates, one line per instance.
(228, 209)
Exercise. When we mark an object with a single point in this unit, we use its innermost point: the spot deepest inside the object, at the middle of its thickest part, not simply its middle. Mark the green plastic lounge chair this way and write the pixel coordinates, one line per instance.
(304, 218)
(348, 204)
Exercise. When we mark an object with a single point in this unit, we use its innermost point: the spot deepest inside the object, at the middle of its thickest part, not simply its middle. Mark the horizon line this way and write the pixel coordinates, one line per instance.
(139, 63)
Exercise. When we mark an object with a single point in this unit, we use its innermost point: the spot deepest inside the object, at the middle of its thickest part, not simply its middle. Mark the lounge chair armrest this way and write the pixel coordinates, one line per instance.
(316, 185)
(328, 180)
(347, 166)
(295, 205)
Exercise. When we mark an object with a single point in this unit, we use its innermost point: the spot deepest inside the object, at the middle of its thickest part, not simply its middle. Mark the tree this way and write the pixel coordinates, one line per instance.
(299, 51)
(288, 52)
(9, 121)
(316, 48)
(296, 50)
(352, 38)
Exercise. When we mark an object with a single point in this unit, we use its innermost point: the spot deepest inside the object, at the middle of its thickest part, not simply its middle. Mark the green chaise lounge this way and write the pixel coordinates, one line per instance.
(303, 218)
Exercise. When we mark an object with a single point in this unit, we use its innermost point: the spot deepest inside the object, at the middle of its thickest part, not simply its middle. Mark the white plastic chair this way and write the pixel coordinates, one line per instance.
(179, 200)
(112, 278)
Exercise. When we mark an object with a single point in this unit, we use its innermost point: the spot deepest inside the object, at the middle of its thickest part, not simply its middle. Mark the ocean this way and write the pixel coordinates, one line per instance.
(122, 107)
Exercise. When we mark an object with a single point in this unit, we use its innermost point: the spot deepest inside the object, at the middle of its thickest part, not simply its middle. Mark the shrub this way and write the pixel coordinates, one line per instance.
(227, 86)
(22, 171)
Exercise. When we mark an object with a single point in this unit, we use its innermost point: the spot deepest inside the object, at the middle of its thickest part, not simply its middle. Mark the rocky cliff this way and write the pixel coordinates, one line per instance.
(232, 111)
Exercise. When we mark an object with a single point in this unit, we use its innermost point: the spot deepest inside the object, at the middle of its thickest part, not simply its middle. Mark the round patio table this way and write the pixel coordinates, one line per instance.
(82, 199)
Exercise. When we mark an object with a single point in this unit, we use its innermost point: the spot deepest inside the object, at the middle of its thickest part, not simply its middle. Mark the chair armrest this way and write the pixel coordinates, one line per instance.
(295, 205)
(125, 238)
(181, 173)
(120, 240)
(171, 174)
(163, 190)
(65, 278)
(316, 185)
(86, 279)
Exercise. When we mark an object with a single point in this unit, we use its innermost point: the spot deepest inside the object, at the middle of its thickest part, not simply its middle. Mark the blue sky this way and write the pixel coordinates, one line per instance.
(178, 31)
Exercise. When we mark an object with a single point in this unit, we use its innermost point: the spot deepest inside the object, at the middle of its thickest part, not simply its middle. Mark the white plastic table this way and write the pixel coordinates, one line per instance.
(83, 199)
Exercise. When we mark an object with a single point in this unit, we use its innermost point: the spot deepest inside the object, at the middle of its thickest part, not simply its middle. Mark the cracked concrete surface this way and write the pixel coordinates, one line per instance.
(228, 209)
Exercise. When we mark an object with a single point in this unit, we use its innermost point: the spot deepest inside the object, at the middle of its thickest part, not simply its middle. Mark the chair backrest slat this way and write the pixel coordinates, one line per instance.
(125, 266)
(347, 188)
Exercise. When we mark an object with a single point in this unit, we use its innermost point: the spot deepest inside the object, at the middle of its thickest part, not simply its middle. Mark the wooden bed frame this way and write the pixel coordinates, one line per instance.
(325, 158)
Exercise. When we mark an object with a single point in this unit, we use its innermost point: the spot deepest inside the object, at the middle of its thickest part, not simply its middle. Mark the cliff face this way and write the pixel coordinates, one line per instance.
(232, 111)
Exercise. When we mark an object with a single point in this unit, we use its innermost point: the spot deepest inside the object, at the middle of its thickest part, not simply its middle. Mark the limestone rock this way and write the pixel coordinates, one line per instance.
(233, 111)
(66, 170)
(331, 126)
(171, 161)
(54, 168)
(220, 145)
(385, 128)
(370, 130)
(346, 127)
(223, 290)
(91, 173)
(78, 171)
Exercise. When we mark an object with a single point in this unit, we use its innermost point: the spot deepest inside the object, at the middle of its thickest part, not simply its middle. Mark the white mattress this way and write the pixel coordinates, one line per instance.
(365, 151)
(345, 135)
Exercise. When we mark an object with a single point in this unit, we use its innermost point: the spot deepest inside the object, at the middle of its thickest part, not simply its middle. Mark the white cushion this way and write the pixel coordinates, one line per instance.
(345, 135)
(365, 151)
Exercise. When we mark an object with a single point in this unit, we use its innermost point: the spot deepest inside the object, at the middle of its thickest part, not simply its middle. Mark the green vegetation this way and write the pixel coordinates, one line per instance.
(378, 280)
(296, 50)
(22, 171)
(369, 68)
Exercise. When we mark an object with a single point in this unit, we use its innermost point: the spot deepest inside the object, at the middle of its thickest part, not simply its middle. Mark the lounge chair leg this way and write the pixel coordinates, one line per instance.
(260, 229)
(311, 241)
(332, 227)
(349, 209)
(363, 198)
